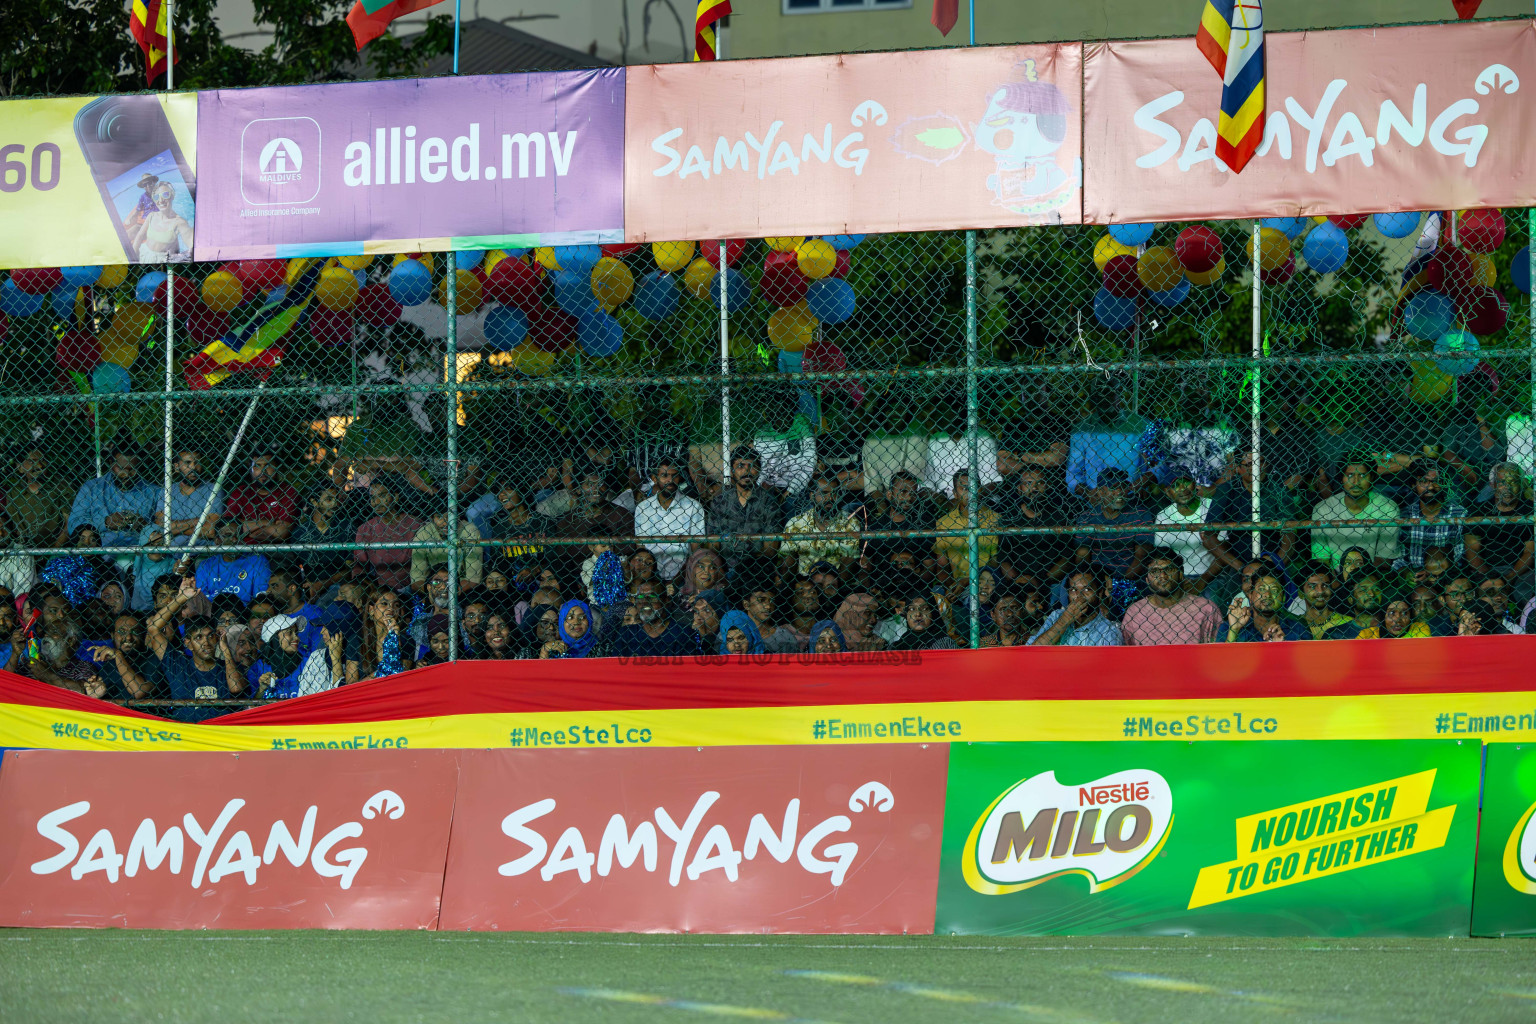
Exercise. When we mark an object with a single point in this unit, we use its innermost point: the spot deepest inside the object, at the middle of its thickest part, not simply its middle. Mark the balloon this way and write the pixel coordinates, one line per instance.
(792, 328)
(109, 378)
(1172, 296)
(410, 283)
(514, 283)
(830, 300)
(120, 341)
(1429, 383)
(1281, 274)
(376, 306)
(294, 268)
(356, 261)
(204, 326)
(573, 292)
(1159, 269)
(782, 284)
(1131, 234)
(599, 334)
(1326, 248)
(80, 277)
(1290, 227)
(1113, 311)
(332, 326)
(492, 258)
(709, 248)
(697, 278)
(1274, 248)
(1483, 273)
(1198, 248)
(612, 282)
(77, 352)
(1450, 271)
(1520, 270)
(15, 302)
(544, 255)
(260, 275)
(785, 244)
(38, 280)
(1480, 231)
(426, 259)
(738, 290)
(1457, 352)
(1347, 221)
(656, 297)
(466, 259)
(816, 258)
(63, 301)
(467, 295)
(845, 242)
(1120, 278)
(1428, 314)
(843, 264)
(550, 329)
(532, 361)
(186, 298)
(1396, 225)
(1106, 249)
(620, 248)
(222, 291)
(1485, 312)
(1205, 277)
(506, 327)
(672, 256)
(580, 258)
(112, 275)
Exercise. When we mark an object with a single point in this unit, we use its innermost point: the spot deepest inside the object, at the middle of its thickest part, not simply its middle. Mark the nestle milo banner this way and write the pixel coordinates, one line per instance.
(1505, 900)
(1215, 838)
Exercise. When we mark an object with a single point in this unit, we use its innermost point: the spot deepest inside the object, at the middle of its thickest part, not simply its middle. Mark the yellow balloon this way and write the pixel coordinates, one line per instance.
(785, 244)
(1482, 270)
(1429, 384)
(468, 294)
(337, 288)
(1107, 248)
(612, 282)
(1207, 276)
(545, 254)
(222, 291)
(530, 359)
(816, 257)
(359, 262)
(1274, 248)
(494, 257)
(295, 268)
(424, 258)
(120, 341)
(112, 275)
(1159, 269)
(672, 256)
(698, 277)
(793, 327)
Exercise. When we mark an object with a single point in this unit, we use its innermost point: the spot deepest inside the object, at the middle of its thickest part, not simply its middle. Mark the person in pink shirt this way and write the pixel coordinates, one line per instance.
(1169, 615)
(391, 566)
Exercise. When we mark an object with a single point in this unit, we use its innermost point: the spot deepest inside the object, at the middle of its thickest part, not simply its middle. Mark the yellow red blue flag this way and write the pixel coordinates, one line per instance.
(705, 45)
(1232, 38)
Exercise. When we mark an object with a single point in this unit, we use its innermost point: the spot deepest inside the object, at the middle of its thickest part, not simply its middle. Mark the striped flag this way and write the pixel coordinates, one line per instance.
(1232, 38)
(146, 20)
(370, 19)
(254, 344)
(705, 16)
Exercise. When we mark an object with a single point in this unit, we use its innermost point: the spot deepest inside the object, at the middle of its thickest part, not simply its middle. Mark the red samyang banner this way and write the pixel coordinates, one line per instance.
(312, 839)
(718, 839)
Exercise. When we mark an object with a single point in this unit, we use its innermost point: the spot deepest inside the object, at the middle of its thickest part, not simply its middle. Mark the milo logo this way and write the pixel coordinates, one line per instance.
(1520, 853)
(1105, 830)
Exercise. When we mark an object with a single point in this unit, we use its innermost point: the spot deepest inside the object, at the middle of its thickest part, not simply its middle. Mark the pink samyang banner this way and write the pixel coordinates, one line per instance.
(1429, 117)
(912, 141)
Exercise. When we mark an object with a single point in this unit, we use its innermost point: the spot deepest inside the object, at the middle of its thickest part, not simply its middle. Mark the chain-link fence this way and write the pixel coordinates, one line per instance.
(644, 456)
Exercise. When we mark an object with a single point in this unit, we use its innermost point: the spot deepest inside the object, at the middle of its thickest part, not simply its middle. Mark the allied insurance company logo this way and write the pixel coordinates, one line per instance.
(1520, 854)
(1105, 830)
(280, 161)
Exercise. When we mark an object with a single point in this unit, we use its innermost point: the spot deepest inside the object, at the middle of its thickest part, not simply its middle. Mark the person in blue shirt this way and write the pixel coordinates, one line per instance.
(1106, 439)
(245, 576)
(15, 639)
(283, 670)
(118, 504)
(286, 588)
(1082, 623)
(190, 494)
(199, 670)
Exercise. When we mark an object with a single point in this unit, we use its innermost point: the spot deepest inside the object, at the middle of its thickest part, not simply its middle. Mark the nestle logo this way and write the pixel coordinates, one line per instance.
(280, 161)
(1121, 793)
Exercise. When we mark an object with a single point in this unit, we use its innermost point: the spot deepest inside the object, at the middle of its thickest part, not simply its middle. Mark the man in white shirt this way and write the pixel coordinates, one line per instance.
(1196, 551)
(666, 513)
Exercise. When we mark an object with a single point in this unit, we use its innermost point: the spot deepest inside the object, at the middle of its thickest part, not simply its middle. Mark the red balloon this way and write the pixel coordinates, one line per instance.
(1481, 231)
(187, 297)
(843, 264)
(549, 328)
(205, 326)
(709, 248)
(331, 326)
(782, 284)
(1348, 221)
(37, 280)
(1485, 312)
(1280, 274)
(618, 250)
(77, 352)
(1198, 248)
(514, 283)
(5, 326)
(261, 275)
(375, 306)
(1450, 271)
(1121, 279)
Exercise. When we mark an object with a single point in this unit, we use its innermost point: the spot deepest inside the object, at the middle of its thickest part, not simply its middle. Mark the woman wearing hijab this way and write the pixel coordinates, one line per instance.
(856, 620)
(987, 581)
(282, 671)
(704, 571)
(739, 634)
(924, 630)
(827, 638)
(577, 635)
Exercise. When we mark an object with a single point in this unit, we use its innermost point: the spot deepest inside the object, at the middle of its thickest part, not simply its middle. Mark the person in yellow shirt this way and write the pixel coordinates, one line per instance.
(1396, 623)
(954, 552)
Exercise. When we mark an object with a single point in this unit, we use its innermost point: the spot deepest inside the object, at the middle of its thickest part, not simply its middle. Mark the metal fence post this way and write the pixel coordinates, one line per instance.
(1256, 425)
(451, 537)
(973, 474)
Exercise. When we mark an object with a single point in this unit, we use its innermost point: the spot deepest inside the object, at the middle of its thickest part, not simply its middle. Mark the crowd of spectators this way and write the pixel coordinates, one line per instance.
(595, 556)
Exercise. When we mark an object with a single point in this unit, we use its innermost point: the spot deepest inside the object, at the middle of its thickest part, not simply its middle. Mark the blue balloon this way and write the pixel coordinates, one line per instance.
(1520, 270)
(578, 258)
(1114, 312)
(1292, 226)
(1326, 248)
(1428, 315)
(1457, 352)
(844, 241)
(790, 362)
(468, 259)
(15, 302)
(573, 291)
(1131, 234)
(63, 298)
(831, 299)
(738, 291)
(656, 296)
(1396, 225)
(362, 279)
(144, 291)
(108, 378)
(1173, 296)
(505, 327)
(410, 283)
(599, 334)
(515, 253)
(80, 277)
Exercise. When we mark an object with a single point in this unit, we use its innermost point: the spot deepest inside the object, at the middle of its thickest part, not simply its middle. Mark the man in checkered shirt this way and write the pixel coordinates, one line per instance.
(1430, 509)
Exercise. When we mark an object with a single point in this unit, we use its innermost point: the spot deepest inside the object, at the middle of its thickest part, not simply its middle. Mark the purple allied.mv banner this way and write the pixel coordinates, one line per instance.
(479, 162)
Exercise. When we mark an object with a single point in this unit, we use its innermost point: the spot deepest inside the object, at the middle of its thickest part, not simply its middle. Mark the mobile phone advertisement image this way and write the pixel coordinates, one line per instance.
(98, 180)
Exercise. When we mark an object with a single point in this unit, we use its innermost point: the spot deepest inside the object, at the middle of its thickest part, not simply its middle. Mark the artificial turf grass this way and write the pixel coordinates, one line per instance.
(376, 977)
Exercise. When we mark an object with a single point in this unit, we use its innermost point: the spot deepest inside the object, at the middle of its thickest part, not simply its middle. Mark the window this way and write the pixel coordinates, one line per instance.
(820, 6)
